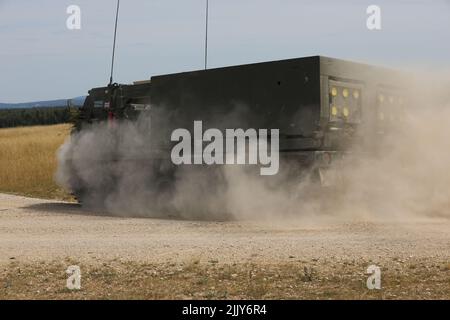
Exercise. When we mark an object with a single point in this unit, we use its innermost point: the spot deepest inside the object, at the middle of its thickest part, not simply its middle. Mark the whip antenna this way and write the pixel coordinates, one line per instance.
(206, 35)
(114, 43)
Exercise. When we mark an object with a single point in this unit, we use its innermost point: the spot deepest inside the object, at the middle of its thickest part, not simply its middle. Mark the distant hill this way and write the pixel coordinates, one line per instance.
(78, 101)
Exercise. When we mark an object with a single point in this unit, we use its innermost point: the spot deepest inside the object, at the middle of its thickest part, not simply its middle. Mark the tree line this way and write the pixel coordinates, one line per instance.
(36, 116)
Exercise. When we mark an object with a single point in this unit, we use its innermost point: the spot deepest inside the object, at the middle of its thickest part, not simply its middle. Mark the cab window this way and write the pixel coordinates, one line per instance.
(99, 104)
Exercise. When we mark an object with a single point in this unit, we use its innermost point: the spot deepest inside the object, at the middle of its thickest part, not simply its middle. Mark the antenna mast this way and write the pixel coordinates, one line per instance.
(114, 43)
(206, 35)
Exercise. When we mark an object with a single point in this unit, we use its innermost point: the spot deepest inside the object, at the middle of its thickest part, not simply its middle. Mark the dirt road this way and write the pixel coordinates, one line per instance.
(32, 229)
(41, 233)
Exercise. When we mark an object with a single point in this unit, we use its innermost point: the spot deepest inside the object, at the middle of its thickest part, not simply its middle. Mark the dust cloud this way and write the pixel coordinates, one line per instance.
(408, 175)
(400, 175)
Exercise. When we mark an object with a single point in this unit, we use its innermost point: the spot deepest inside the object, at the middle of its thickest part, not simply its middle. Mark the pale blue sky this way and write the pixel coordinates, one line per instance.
(41, 59)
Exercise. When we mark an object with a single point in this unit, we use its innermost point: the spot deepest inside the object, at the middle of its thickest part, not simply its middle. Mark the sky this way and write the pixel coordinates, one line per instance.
(41, 59)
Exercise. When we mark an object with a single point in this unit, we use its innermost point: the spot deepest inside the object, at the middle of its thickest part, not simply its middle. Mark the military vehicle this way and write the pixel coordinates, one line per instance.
(320, 105)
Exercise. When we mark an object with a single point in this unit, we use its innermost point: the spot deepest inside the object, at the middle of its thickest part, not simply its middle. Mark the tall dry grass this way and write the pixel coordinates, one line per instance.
(28, 160)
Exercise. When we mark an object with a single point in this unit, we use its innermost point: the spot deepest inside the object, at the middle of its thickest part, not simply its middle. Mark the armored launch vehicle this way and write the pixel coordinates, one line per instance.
(320, 105)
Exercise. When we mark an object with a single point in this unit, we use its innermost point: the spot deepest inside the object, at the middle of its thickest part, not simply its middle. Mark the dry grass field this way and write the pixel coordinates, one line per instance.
(415, 279)
(28, 160)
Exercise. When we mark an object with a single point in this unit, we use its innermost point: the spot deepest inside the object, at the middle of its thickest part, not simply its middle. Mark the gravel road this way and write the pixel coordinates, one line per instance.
(42, 230)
